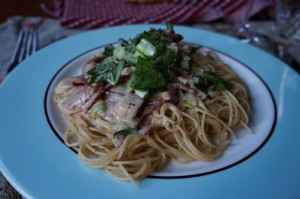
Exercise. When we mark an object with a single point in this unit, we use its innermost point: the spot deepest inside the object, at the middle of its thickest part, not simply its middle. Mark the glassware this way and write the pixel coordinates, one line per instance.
(244, 32)
(287, 29)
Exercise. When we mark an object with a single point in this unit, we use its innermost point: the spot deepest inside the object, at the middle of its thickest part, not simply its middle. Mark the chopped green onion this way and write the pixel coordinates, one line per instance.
(138, 54)
(119, 52)
(186, 103)
(188, 100)
(173, 47)
(146, 48)
(98, 108)
(130, 48)
(131, 60)
(185, 62)
(141, 94)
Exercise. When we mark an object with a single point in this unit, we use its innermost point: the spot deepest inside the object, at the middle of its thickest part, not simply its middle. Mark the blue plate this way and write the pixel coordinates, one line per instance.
(39, 165)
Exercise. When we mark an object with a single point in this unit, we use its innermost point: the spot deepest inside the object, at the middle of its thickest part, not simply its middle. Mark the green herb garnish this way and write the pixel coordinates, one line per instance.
(146, 76)
(128, 46)
(108, 51)
(107, 70)
(123, 133)
(210, 81)
(152, 54)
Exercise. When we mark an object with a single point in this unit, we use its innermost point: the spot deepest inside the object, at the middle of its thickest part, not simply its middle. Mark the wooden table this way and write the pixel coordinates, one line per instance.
(10, 8)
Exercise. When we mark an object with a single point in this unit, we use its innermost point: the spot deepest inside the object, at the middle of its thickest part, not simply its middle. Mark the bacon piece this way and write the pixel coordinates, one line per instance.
(182, 72)
(97, 95)
(146, 129)
(183, 87)
(93, 100)
(79, 80)
(149, 107)
(174, 36)
(107, 87)
(191, 89)
(91, 63)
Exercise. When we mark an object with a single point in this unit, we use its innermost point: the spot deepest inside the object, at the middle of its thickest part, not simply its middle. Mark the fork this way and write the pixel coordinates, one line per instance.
(27, 44)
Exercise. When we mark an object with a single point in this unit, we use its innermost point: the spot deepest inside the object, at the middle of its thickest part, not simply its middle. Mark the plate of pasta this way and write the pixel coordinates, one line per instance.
(151, 111)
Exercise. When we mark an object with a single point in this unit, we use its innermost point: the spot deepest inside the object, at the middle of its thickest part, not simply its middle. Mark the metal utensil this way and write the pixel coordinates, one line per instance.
(27, 44)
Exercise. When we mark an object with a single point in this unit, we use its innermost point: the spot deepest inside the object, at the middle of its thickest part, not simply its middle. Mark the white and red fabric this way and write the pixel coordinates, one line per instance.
(90, 14)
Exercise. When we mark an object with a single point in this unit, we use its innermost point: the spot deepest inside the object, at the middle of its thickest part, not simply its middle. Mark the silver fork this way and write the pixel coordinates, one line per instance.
(27, 44)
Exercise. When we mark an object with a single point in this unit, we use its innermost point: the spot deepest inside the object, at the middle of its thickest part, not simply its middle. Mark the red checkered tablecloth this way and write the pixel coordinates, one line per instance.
(90, 14)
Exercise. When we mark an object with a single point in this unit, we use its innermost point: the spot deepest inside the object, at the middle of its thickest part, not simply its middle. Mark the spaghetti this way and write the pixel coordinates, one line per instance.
(132, 128)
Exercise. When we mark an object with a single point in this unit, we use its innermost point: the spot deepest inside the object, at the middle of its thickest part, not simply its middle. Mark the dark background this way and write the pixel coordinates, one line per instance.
(10, 8)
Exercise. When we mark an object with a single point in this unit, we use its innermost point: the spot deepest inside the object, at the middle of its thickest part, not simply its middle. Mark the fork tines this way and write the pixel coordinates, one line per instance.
(27, 44)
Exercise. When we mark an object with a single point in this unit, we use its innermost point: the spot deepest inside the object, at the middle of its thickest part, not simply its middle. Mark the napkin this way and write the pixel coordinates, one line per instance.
(90, 14)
